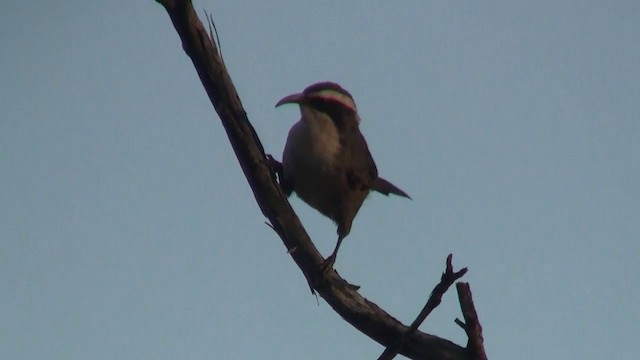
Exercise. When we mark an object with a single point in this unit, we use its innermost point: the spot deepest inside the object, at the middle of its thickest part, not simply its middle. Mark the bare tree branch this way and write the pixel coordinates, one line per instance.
(471, 325)
(358, 311)
(435, 298)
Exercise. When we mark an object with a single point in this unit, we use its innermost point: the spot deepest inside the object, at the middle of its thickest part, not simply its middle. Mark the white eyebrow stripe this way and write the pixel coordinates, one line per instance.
(330, 94)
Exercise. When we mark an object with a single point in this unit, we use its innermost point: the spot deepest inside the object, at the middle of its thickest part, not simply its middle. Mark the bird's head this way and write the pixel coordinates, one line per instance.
(326, 97)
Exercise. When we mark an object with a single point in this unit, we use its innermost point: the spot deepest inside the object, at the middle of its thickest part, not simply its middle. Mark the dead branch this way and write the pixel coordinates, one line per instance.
(435, 298)
(471, 323)
(358, 311)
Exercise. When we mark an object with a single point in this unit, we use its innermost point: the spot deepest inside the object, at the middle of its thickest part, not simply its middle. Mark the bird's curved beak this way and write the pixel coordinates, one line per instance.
(291, 99)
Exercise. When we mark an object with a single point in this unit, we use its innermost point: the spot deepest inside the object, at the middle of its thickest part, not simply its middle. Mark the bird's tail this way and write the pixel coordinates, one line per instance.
(384, 187)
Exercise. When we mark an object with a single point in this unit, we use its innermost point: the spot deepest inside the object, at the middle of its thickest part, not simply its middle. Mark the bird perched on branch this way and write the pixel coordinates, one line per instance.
(326, 160)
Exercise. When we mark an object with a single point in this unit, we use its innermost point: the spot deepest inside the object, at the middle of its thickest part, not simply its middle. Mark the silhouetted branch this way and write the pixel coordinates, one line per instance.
(471, 325)
(435, 298)
(358, 311)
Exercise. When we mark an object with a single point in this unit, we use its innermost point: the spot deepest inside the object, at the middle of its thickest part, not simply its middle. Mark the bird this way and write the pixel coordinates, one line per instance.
(326, 160)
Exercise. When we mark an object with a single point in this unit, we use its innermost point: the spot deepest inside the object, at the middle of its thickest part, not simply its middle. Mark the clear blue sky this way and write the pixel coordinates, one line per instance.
(127, 230)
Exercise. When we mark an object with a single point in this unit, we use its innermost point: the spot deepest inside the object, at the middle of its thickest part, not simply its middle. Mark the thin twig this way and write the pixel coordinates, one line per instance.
(435, 298)
(214, 32)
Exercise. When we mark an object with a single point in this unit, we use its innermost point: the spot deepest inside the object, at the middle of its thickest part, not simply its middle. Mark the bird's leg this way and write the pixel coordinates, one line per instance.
(328, 263)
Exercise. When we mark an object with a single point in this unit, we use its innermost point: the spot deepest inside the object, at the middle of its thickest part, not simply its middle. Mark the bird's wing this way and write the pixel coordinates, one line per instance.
(362, 171)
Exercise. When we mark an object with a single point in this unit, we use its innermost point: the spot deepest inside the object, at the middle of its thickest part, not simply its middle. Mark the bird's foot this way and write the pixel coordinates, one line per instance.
(328, 265)
(275, 166)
